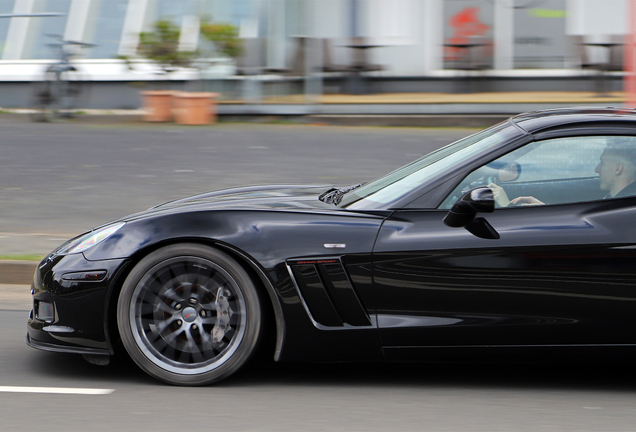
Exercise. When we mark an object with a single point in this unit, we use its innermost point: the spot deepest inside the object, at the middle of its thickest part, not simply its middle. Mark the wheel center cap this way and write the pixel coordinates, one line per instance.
(189, 314)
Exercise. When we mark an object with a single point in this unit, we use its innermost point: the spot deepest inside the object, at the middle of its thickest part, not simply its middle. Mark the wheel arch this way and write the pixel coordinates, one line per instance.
(258, 275)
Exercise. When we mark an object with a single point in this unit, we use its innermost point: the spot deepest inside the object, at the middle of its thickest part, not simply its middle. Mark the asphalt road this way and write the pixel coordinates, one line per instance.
(311, 397)
(57, 180)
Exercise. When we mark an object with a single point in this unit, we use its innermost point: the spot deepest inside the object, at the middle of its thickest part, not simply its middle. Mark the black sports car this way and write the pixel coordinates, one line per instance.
(519, 236)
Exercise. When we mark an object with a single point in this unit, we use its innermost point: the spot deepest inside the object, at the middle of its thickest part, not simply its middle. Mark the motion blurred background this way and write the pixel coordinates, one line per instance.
(309, 51)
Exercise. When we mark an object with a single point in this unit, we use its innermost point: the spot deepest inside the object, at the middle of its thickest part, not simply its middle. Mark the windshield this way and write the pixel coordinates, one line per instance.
(400, 182)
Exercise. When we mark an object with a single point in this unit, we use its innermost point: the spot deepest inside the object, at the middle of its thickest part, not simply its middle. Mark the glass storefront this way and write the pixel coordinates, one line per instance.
(44, 32)
(540, 41)
(6, 7)
(536, 34)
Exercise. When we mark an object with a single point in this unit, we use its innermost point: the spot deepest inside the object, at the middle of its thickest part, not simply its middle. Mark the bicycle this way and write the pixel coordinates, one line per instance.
(59, 92)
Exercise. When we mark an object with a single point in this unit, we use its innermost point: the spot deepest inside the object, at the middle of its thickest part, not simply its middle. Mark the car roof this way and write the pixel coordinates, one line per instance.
(536, 121)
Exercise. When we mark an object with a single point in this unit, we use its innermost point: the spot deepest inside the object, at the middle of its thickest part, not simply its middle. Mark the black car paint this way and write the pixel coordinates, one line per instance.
(553, 265)
(553, 278)
(268, 235)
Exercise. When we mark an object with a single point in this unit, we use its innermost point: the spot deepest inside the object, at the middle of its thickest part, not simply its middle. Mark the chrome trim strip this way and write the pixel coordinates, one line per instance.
(335, 246)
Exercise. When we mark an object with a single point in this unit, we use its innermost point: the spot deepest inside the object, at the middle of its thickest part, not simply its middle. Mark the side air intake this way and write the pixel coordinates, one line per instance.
(328, 293)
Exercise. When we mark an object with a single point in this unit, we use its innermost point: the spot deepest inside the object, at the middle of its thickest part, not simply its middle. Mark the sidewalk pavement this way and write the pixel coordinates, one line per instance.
(13, 272)
(416, 109)
(15, 284)
(15, 297)
(387, 109)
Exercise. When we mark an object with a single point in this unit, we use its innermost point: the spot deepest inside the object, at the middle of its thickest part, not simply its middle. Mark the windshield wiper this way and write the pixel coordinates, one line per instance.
(334, 195)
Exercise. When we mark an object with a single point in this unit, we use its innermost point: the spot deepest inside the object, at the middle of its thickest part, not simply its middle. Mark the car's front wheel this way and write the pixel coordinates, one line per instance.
(189, 315)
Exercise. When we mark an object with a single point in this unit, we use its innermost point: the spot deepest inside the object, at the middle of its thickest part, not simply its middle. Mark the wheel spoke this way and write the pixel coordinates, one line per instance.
(206, 344)
(193, 348)
(165, 278)
(163, 325)
(149, 306)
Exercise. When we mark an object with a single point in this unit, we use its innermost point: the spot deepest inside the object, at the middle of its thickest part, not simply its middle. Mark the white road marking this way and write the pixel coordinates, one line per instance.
(55, 390)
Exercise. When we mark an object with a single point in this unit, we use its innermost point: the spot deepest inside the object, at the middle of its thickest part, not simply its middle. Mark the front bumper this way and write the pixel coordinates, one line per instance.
(70, 304)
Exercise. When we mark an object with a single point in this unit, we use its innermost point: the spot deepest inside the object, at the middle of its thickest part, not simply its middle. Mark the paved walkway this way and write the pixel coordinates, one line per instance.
(15, 272)
(396, 105)
(451, 98)
(508, 103)
(15, 297)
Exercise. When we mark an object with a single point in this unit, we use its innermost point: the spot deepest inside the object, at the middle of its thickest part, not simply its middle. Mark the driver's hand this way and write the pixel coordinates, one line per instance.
(501, 198)
(527, 200)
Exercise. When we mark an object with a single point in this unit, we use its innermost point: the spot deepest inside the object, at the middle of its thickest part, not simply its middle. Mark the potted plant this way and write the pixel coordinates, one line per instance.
(200, 108)
(161, 46)
(224, 36)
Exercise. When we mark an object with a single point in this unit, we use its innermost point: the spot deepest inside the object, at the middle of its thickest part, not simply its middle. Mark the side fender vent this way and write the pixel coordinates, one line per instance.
(328, 294)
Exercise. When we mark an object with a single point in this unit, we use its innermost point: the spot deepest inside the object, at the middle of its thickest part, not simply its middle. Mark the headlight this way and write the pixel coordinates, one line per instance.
(89, 240)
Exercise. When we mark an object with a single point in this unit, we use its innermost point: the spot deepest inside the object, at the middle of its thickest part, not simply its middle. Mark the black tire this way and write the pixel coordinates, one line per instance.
(189, 315)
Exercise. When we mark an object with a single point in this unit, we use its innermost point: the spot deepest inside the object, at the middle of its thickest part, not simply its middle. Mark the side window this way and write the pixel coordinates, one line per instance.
(558, 171)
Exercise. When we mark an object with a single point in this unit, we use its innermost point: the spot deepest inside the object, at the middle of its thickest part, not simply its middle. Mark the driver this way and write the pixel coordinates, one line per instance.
(616, 171)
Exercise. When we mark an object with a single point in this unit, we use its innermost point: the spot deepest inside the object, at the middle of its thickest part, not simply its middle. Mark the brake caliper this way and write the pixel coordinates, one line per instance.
(223, 314)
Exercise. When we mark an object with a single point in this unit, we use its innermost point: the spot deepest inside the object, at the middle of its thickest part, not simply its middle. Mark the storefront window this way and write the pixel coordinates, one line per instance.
(468, 33)
(6, 7)
(46, 31)
(104, 28)
(539, 35)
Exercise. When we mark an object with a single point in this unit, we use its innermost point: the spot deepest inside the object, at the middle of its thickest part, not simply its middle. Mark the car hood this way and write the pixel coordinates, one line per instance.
(301, 197)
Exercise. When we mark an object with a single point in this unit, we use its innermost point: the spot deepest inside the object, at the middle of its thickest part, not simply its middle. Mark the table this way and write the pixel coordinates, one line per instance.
(355, 80)
(468, 59)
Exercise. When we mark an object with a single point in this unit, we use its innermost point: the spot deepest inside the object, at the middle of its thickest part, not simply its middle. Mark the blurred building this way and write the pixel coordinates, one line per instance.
(408, 40)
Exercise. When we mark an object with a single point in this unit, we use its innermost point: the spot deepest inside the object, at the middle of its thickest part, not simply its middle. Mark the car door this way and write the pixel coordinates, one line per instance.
(561, 272)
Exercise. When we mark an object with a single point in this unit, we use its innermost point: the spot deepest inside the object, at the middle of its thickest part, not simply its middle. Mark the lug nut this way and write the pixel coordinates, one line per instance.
(202, 314)
(179, 322)
(194, 327)
(193, 301)
(178, 306)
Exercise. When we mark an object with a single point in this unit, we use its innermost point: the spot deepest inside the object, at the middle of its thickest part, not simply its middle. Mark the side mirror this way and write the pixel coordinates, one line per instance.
(480, 200)
(464, 212)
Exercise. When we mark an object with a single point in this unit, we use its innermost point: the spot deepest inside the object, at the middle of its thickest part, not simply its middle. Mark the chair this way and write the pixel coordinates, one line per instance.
(614, 60)
(584, 58)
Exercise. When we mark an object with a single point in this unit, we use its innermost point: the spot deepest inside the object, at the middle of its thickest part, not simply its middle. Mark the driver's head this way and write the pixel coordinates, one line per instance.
(617, 168)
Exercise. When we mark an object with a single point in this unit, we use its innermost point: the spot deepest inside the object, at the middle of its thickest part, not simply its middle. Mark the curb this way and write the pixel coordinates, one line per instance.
(478, 120)
(423, 120)
(17, 272)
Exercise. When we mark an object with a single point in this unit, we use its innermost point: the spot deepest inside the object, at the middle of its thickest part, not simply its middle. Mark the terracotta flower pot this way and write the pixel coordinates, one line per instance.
(158, 105)
(194, 108)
